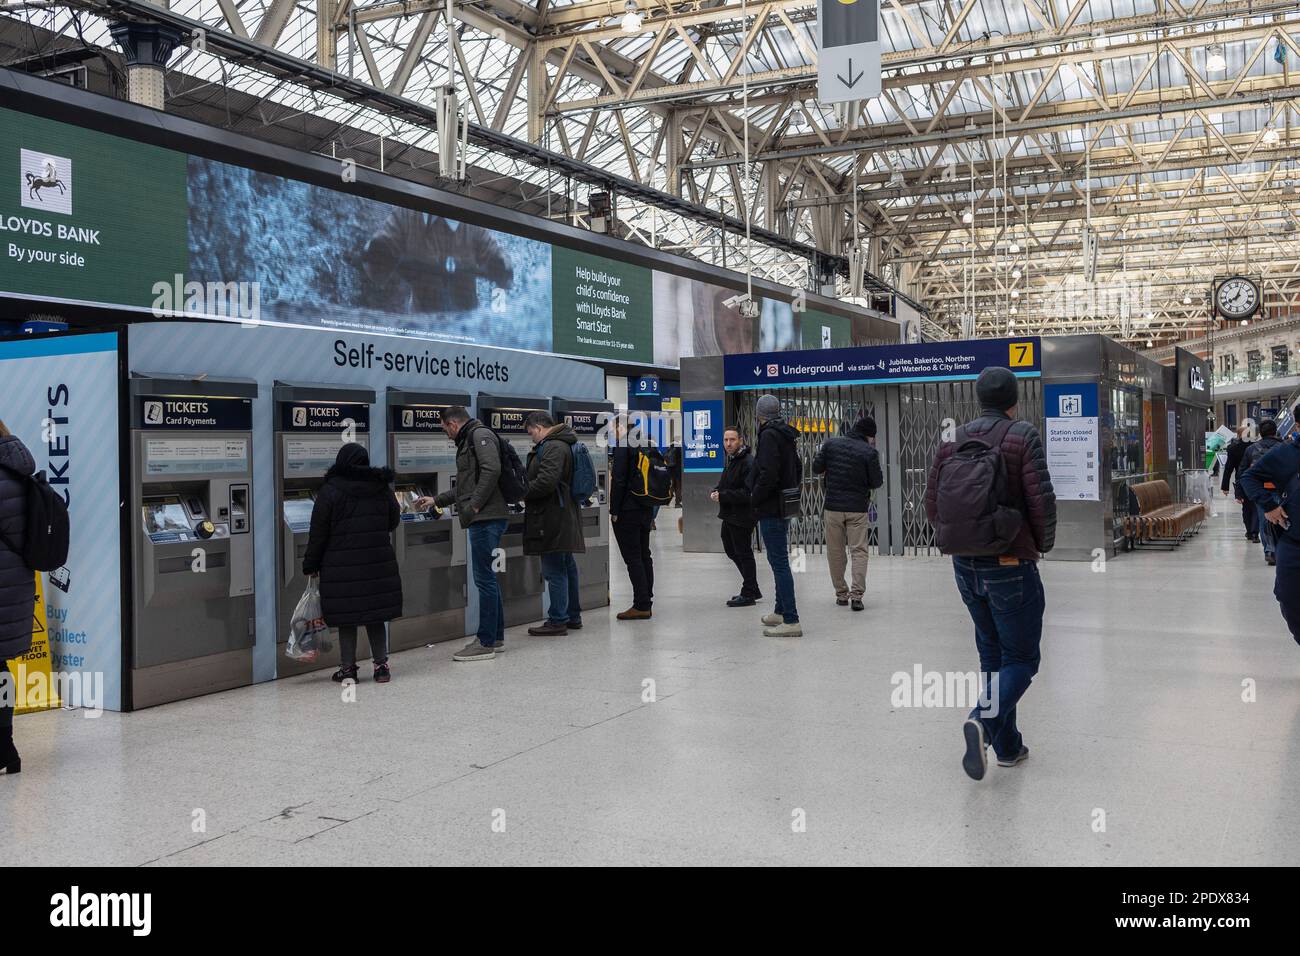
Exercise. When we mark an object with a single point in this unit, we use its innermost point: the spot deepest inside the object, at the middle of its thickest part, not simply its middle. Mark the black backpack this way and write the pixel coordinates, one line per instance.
(973, 518)
(45, 541)
(513, 482)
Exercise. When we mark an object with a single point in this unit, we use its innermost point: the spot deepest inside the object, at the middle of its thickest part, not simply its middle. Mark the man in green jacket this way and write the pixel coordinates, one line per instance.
(552, 520)
(482, 512)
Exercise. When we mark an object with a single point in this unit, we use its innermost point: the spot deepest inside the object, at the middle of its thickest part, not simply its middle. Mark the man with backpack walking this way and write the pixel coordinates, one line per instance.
(1273, 485)
(1268, 440)
(552, 520)
(774, 499)
(851, 470)
(482, 510)
(990, 500)
(631, 511)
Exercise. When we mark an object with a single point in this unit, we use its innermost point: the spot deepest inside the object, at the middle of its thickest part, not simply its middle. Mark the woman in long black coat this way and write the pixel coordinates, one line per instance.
(17, 584)
(351, 548)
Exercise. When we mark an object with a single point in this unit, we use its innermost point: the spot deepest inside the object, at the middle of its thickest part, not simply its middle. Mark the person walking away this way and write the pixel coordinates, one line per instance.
(631, 512)
(851, 470)
(17, 585)
(732, 495)
(1266, 533)
(990, 500)
(1273, 484)
(350, 548)
(483, 512)
(1235, 452)
(552, 520)
(773, 498)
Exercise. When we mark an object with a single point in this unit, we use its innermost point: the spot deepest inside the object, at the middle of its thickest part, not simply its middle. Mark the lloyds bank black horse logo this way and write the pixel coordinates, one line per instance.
(48, 181)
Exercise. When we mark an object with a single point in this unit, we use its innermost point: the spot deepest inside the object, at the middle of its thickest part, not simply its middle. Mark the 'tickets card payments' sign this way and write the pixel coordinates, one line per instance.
(883, 364)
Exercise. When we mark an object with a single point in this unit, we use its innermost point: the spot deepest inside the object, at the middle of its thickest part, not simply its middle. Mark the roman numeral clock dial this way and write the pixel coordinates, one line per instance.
(1237, 298)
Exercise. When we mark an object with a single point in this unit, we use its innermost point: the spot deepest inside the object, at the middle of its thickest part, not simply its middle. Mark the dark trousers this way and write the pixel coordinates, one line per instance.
(8, 700)
(632, 532)
(1250, 516)
(776, 542)
(376, 635)
(484, 540)
(1006, 602)
(736, 541)
(1286, 584)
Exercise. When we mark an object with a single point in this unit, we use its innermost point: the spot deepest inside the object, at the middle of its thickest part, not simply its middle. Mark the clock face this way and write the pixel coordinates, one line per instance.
(1237, 298)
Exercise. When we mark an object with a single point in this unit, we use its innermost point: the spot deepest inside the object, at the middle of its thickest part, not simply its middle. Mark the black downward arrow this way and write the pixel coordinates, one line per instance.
(853, 82)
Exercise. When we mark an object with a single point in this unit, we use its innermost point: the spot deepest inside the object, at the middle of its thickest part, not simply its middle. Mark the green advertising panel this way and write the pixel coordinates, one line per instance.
(88, 216)
(602, 308)
(821, 330)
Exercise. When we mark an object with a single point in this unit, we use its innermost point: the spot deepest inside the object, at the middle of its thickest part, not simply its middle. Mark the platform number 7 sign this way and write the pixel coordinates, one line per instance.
(1022, 354)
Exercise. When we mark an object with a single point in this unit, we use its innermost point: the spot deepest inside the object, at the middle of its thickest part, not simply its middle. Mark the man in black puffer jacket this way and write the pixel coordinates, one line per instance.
(1268, 440)
(732, 495)
(351, 548)
(776, 468)
(1235, 465)
(851, 467)
(17, 583)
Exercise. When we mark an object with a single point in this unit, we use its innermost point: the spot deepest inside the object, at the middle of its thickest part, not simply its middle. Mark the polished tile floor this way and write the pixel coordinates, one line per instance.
(750, 750)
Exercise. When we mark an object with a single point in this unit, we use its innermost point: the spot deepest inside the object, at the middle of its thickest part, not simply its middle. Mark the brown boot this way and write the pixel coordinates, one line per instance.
(632, 614)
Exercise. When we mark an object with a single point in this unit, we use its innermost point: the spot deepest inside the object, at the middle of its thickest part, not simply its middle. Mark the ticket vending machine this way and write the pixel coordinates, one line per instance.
(430, 547)
(590, 419)
(521, 580)
(312, 422)
(193, 621)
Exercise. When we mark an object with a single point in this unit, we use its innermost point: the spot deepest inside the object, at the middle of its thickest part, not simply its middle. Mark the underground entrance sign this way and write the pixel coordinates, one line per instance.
(883, 364)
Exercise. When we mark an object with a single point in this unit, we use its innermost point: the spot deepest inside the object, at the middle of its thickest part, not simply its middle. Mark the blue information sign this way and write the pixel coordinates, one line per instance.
(702, 426)
(881, 364)
(648, 386)
(1070, 401)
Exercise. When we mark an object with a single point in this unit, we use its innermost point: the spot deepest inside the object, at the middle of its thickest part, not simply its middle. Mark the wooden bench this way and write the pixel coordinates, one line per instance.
(1155, 516)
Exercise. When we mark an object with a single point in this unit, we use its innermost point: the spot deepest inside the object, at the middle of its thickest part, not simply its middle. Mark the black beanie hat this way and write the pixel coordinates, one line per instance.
(996, 388)
(865, 427)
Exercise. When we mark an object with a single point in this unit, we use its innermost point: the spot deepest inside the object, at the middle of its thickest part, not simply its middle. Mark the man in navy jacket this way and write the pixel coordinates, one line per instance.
(1273, 483)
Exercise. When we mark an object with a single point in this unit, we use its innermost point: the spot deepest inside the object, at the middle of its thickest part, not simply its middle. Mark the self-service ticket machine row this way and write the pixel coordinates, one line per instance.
(194, 615)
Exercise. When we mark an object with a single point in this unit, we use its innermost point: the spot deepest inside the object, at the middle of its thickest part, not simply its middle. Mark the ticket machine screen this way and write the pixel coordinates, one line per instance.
(165, 516)
(170, 518)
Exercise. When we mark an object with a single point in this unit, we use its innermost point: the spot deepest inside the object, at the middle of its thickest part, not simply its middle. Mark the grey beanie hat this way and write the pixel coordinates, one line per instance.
(768, 408)
(997, 388)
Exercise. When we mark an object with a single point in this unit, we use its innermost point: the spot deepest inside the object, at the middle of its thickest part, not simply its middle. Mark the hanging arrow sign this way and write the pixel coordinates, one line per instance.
(848, 66)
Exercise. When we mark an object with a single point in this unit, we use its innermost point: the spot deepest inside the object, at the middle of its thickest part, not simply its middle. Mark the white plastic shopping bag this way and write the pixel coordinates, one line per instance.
(307, 630)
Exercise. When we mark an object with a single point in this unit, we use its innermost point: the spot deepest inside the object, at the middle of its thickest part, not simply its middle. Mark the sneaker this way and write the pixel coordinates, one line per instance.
(739, 600)
(772, 620)
(842, 602)
(549, 629)
(1270, 560)
(633, 614)
(783, 630)
(345, 673)
(1016, 760)
(382, 674)
(574, 625)
(976, 760)
(499, 647)
(474, 651)
(857, 604)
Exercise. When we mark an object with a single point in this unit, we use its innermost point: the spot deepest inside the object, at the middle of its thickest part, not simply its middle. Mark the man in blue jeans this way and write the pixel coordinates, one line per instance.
(482, 512)
(775, 471)
(991, 503)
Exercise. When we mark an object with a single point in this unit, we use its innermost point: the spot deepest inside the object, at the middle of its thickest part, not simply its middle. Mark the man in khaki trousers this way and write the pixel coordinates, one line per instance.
(850, 469)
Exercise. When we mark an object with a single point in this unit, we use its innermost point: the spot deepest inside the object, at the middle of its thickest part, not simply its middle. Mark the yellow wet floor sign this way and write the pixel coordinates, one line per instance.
(32, 672)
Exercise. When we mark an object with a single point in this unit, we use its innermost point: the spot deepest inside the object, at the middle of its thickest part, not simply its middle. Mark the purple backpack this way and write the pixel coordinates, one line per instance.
(973, 518)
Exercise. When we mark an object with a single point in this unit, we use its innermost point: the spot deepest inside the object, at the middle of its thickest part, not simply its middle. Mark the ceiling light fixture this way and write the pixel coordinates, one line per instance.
(631, 21)
(1271, 135)
(1015, 273)
(1015, 293)
(1013, 249)
(968, 217)
(1214, 59)
(1187, 298)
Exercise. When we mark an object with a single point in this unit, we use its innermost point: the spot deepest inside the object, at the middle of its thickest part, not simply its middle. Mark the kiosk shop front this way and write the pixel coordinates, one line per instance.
(193, 619)
(312, 422)
(430, 547)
